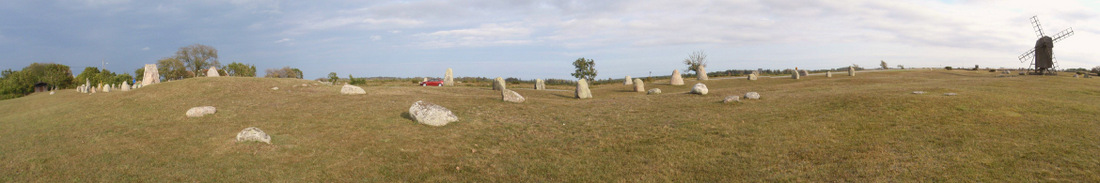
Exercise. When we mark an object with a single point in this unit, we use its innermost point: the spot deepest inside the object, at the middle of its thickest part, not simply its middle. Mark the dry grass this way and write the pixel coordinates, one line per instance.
(864, 128)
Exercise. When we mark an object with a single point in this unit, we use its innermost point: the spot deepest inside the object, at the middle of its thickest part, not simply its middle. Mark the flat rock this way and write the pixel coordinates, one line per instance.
(275, 88)
(582, 91)
(699, 88)
(676, 79)
(918, 92)
(253, 134)
(732, 98)
(352, 90)
(752, 95)
(653, 91)
(201, 111)
(950, 94)
(511, 96)
(431, 114)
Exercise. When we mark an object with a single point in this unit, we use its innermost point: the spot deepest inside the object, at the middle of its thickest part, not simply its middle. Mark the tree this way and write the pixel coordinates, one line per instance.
(332, 77)
(172, 69)
(1096, 69)
(285, 72)
(198, 57)
(884, 65)
(901, 67)
(90, 74)
(240, 70)
(585, 69)
(139, 73)
(356, 81)
(56, 75)
(696, 59)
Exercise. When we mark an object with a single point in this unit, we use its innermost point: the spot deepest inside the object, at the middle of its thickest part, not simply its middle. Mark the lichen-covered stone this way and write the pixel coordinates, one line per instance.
(253, 134)
(201, 111)
(431, 114)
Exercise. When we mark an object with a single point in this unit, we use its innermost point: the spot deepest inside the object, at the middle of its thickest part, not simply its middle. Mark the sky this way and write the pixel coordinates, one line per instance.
(541, 38)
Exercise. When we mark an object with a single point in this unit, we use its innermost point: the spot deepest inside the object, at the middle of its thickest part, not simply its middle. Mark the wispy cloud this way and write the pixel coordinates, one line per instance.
(145, 48)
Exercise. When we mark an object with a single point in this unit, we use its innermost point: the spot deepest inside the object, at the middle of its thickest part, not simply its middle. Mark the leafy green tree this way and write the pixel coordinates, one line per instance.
(285, 72)
(172, 69)
(585, 69)
(90, 74)
(118, 79)
(139, 73)
(240, 70)
(198, 57)
(298, 73)
(15, 84)
(332, 77)
(56, 75)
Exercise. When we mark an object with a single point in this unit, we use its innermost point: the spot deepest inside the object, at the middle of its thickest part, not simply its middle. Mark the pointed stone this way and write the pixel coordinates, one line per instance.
(582, 91)
(151, 76)
(449, 78)
(676, 79)
(701, 74)
(628, 81)
(511, 96)
(212, 72)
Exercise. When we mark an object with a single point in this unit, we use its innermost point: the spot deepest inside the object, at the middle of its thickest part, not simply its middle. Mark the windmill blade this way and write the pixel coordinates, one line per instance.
(1035, 24)
(1027, 56)
(1062, 35)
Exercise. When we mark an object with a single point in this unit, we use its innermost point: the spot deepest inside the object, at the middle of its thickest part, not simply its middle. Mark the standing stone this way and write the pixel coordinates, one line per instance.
(701, 74)
(498, 83)
(87, 84)
(753, 76)
(828, 74)
(699, 88)
(628, 81)
(796, 74)
(511, 96)
(540, 84)
(804, 73)
(431, 114)
(851, 71)
(639, 85)
(152, 76)
(201, 111)
(125, 86)
(582, 91)
(424, 80)
(752, 95)
(653, 91)
(732, 98)
(253, 134)
(347, 89)
(676, 80)
(212, 72)
(107, 88)
(449, 78)
(93, 89)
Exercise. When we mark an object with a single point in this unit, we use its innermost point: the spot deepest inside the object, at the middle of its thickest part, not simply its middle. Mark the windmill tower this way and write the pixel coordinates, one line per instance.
(1042, 56)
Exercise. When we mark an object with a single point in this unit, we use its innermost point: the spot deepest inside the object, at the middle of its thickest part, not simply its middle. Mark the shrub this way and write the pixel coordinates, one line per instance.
(947, 68)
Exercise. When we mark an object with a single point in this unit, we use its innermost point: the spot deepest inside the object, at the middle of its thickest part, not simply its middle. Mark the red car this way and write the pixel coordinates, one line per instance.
(432, 82)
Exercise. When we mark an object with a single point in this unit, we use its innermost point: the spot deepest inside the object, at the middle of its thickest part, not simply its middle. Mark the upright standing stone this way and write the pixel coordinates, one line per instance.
(449, 78)
(582, 89)
(152, 76)
(796, 74)
(828, 74)
(540, 84)
(425, 79)
(498, 84)
(107, 88)
(639, 85)
(212, 72)
(628, 81)
(754, 75)
(701, 74)
(851, 71)
(676, 78)
(125, 86)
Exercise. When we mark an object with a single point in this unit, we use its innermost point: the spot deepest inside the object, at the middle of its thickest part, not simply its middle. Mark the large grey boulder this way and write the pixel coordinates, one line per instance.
(511, 96)
(540, 84)
(699, 88)
(677, 79)
(582, 91)
(151, 75)
(449, 78)
(752, 95)
(253, 134)
(628, 81)
(701, 74)
(431, 114)
(212, 72)
(349, 90)
(639, 85)
(653, 91)
(201, 111)
(498, 83)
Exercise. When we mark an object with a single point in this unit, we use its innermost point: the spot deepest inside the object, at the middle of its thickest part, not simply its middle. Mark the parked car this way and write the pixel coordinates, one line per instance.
(432, 82)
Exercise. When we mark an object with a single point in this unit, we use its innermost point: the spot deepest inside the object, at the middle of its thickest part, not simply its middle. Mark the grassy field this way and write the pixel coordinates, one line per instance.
(864, 128)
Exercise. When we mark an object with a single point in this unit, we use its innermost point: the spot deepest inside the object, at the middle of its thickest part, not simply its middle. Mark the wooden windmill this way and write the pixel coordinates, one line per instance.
(1042, 56)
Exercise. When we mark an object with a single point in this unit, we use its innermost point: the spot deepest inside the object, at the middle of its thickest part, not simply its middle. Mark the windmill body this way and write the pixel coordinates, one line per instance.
(1042, 56)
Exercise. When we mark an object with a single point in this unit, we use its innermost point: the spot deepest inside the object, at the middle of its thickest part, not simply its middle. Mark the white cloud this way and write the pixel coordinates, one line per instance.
(484, 35)
(145, 48)
(375, 37)
(283, 40)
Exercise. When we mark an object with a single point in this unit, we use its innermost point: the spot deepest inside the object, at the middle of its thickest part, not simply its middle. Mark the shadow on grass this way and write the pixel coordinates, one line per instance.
(563, 95)
(406, 115)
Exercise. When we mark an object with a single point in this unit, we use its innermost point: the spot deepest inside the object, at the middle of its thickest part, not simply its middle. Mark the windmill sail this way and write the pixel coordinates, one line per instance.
(1063, 34)
(1037, 26)
(1026, 57)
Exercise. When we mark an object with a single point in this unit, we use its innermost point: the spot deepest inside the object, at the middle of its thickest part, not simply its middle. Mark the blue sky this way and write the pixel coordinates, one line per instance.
(540, 39)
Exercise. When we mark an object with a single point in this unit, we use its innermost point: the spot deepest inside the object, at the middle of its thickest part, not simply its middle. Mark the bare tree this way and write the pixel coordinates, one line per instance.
(696, 59)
